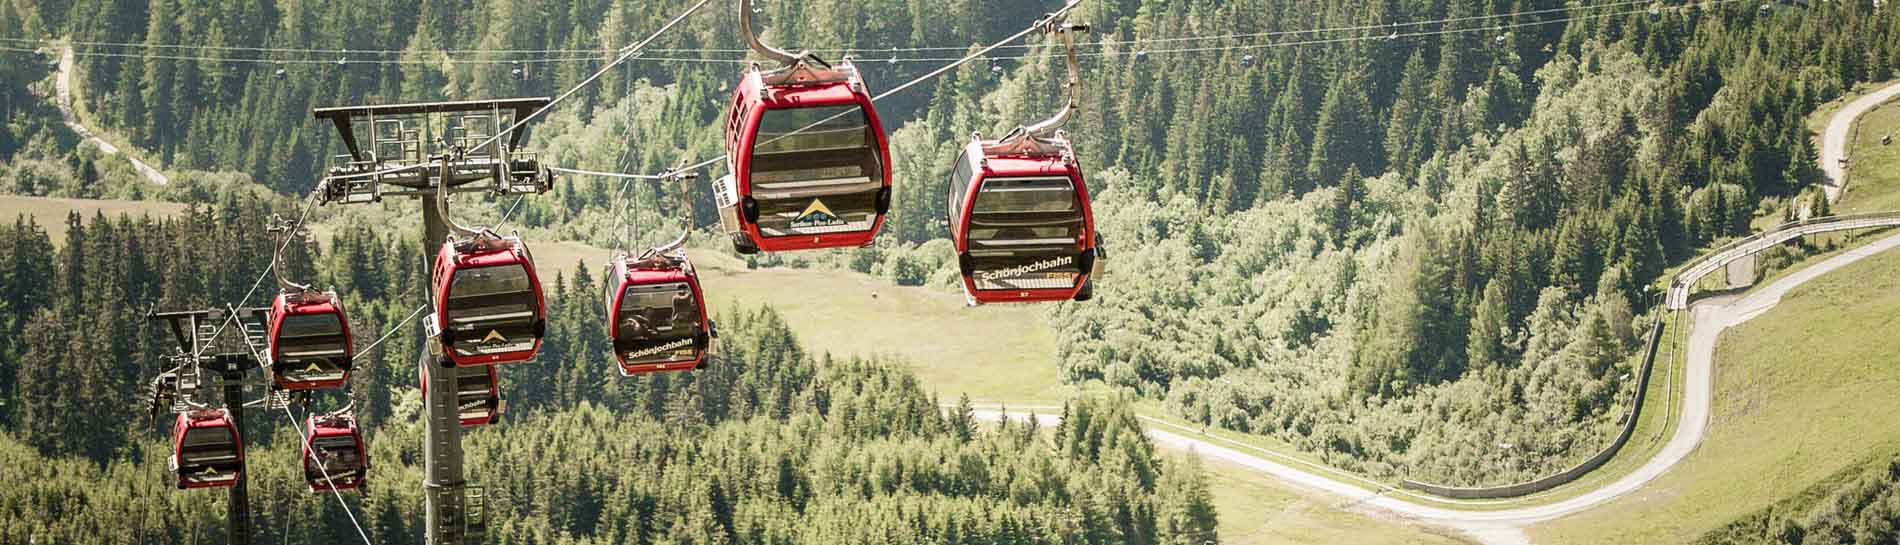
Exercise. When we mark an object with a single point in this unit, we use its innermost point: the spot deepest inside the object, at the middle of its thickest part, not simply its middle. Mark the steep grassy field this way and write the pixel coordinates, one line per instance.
(1802, 392)
(997, 355)
(50, 212)
(1258, 509)
(1873, 179)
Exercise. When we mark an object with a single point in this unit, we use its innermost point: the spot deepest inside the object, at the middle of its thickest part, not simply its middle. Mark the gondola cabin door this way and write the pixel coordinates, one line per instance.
(810, 161)
(656, 315)
(490, 309)
(206, 450)
(310, 344)
(1023, 227)
(334, 457)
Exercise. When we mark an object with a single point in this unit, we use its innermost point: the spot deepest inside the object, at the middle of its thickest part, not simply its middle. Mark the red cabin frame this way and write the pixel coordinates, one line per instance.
(289, 305)
(491, 407)
(485, 252)
(805, 87)
(630, 272)
(215, 420)
(983, 163)
(328, 427)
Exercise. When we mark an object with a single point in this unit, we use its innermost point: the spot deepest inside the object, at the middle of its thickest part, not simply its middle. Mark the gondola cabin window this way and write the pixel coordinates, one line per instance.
(337, 457)
(312, 348)
(1024, 234)
(476, 395)
(816, 170)
(959, 186)
(491, 310)
(659, 323)
(208, 453)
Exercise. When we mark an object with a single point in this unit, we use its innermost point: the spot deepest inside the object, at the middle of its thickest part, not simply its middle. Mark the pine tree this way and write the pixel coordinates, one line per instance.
(1344, 138)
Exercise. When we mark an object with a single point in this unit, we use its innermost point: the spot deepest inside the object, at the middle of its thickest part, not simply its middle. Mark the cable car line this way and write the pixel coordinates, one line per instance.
(847, 50)
(920, 79)
(649, 177)
(390, 332)
(301, 217)
(626, 53)
(1032, 56)
(305, 439)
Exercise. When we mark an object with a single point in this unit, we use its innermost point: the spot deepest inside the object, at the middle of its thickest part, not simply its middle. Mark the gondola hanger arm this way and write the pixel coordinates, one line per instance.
(1048, 127)
(284, 229)
(445, 178)
(678, 174)
(784, 57)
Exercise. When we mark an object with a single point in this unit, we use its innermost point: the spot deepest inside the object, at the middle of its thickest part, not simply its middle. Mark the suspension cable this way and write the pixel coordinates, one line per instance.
(920, 79)
(649, 177)
(388, 333)
(626, 53)
(301, 217)
(898, 60)
(845, 50)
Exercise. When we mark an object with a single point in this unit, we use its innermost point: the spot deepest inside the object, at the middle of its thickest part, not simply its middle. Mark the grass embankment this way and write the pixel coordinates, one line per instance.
(1873, 181)
(1803, 392)
(50, 212)
(1258, 509)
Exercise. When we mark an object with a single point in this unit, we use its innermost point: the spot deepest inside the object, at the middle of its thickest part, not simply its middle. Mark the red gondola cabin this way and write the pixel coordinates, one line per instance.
(656, 315)
(206, 451)
(1021, 221)
(477, 392)
(334, 457)
(810, 162)
(310, 344)
(489, 307)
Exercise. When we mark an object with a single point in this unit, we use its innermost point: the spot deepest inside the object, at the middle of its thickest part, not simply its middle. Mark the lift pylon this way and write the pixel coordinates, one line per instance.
(419, 150)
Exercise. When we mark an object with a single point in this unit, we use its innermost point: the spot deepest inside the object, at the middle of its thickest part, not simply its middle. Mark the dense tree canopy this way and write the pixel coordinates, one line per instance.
(1389, 252)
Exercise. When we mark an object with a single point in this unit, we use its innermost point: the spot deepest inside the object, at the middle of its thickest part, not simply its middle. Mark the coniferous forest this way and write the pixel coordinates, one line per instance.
(1390, 245)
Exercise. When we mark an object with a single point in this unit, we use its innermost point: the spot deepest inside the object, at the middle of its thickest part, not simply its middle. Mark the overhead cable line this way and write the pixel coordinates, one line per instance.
(627, 53)
(1037, 25)
(389, 332)
(304, 442)
(848, 50)
(268, 269)
(607, 174)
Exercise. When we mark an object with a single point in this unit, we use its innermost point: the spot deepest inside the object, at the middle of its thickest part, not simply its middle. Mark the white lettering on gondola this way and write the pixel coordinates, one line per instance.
(1039, 266)
(675, 345)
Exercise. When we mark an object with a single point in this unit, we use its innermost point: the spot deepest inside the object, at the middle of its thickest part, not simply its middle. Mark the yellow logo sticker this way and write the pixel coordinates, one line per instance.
(494, 336)
(817, 215)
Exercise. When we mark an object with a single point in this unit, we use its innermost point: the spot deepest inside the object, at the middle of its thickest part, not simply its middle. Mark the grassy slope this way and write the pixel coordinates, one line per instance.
(1873, 184)
(998, 354)
(50, 213)
(1258, 509)
(1802, 393)
(995, 354)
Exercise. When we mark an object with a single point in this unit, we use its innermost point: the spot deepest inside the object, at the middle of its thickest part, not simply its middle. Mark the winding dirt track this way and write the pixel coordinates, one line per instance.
(63, 87)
